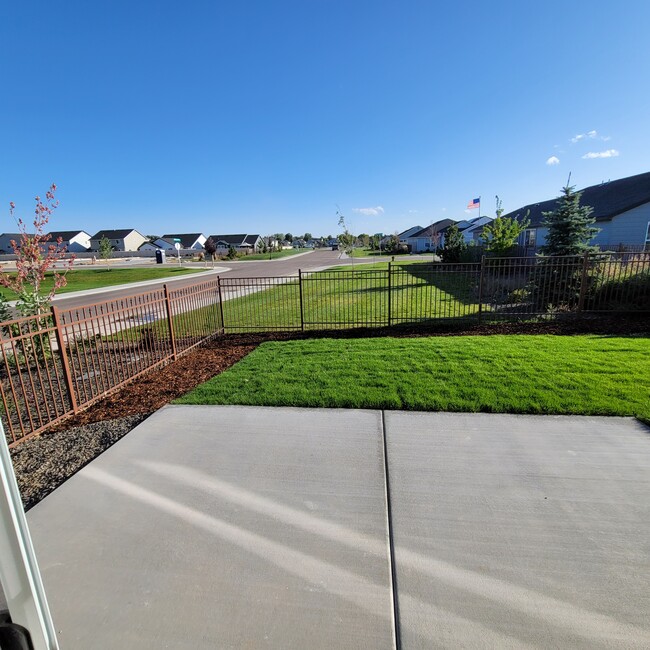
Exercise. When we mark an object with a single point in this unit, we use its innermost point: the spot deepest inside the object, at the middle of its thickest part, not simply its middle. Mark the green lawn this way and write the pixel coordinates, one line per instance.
(366, 252)
(354, 297)
(275, 255)
(81, 279)
(583, 375)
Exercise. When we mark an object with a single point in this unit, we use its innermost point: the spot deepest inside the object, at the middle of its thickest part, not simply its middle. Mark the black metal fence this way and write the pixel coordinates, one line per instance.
(489, 290)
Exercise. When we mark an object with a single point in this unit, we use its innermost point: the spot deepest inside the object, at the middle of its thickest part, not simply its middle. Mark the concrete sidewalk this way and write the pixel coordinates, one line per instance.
(236, 527)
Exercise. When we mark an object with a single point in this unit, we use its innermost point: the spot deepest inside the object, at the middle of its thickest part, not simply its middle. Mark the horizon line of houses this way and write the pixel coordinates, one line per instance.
(621, 209)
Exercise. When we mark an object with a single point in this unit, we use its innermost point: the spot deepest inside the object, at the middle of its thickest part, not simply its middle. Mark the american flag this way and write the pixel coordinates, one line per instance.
(474, 203)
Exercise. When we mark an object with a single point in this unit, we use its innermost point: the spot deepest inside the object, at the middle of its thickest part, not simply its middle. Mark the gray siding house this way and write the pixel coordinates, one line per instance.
(429, 238)
(5, 241)
(621, 210)
(241, 243)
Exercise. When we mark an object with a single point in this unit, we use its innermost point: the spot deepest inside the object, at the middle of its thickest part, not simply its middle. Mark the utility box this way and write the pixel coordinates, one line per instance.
(160, 257)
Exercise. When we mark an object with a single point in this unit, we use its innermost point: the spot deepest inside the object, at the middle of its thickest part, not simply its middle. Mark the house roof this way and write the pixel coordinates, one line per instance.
(433, 229)
(235, 240)
(114, 234)
(187, 239)
(66, 235)
(409, 232)
(476, 224)
(607, 199)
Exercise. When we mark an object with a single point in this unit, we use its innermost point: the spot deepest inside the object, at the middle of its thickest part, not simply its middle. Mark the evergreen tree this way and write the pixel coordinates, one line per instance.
(570, 226)
(454, 245)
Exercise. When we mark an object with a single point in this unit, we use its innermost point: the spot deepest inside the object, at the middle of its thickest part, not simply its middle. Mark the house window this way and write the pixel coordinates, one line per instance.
(530, 238)
(647, 234)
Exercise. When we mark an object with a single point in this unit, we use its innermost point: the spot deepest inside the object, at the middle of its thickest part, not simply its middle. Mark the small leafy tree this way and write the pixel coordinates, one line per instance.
(36, 256)
(268, 245)
(232, 253)
(454, 245)
(105, 250)
(570, 225)
(346, 239)
(392, 244)
(307, 236)
(500, 236)
(210, 248)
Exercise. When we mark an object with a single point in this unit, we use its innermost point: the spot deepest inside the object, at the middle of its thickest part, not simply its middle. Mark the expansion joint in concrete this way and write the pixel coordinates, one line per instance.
(391, 545)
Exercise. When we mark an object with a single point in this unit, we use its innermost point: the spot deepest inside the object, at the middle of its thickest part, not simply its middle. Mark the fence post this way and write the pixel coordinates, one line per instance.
(583, 282)
(390, 292)
(302, 312)
(170, 323)
(480, 290)
(223, 322)
(67, 375)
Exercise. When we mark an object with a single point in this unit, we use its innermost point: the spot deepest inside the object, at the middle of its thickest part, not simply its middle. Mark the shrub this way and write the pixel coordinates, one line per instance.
(626, 291)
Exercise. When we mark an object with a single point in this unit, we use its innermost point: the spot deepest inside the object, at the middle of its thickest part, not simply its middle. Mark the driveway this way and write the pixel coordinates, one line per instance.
(245, 527)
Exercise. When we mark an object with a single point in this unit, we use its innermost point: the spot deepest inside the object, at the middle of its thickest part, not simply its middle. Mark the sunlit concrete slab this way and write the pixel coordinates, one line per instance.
(224, 527)
(514, 531)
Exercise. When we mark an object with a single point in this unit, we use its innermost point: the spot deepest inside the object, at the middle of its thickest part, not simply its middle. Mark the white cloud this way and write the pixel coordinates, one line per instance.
(412, 211)
(553, 160)
(370, 212)
(610, 153)
(591, 135)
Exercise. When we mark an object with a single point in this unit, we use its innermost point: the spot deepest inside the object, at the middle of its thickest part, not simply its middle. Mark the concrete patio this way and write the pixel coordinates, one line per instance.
(244, 527)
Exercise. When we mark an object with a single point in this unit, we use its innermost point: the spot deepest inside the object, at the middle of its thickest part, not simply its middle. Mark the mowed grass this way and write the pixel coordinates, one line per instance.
(82, 279)
(581, 375)
(349, 297)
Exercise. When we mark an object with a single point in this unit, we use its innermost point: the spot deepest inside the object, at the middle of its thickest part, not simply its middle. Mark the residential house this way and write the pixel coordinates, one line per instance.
(429, 238)
(6, 239)
(121, 240)
(403, 235)
(241, 243)
(192, 241)
(471, 229)
(621, 210)
(75, 241)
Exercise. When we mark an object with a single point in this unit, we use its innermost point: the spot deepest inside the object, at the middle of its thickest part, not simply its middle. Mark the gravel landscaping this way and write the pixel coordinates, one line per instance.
(43, 462)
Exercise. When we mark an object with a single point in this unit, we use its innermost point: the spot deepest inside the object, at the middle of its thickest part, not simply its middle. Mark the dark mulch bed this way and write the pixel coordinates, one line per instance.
(44, 462)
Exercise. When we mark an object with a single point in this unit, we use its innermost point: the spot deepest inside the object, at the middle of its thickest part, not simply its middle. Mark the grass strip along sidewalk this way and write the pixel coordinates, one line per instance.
(83, 279)
(544, 374)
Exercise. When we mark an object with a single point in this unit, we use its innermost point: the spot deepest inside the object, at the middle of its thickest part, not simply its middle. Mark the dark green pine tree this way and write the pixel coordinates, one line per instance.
(570, 226)
(454, 246)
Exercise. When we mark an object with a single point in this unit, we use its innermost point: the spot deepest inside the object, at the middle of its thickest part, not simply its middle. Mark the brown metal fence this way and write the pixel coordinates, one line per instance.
(56, 364)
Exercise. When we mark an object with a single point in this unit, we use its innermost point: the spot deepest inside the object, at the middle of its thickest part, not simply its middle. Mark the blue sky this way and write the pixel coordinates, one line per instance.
(263, 116)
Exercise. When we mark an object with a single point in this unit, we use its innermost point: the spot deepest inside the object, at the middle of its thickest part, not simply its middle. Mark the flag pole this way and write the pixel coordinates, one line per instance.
(479, 207)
